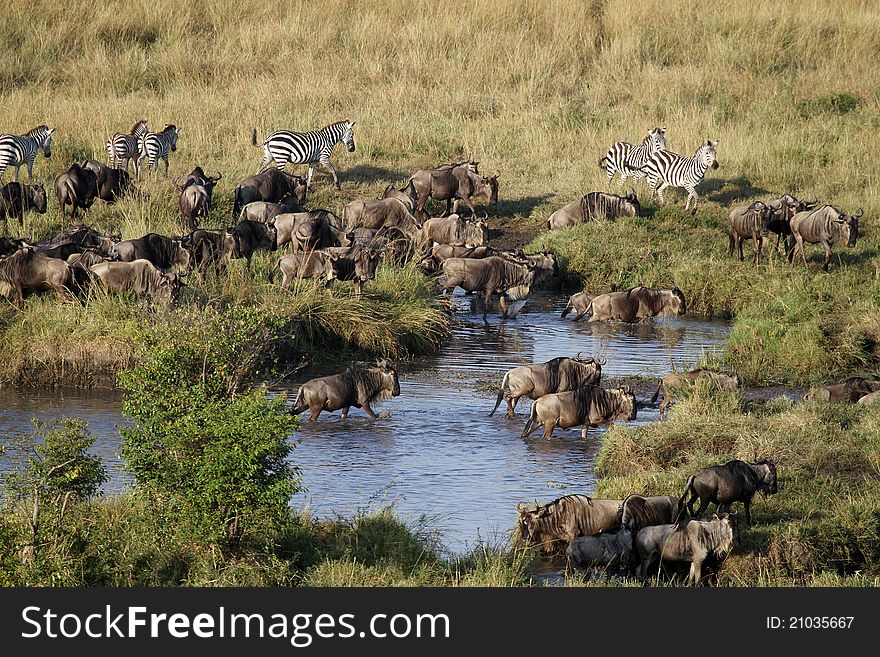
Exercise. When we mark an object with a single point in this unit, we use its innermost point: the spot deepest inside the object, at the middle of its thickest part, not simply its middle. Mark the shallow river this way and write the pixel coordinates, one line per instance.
(435, 451)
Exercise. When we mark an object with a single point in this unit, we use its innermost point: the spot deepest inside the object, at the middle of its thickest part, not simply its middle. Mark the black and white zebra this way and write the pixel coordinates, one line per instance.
(126, 147)
(312, 148)
(156, 145)
(625, 158)
(16, 150)
(671, 169)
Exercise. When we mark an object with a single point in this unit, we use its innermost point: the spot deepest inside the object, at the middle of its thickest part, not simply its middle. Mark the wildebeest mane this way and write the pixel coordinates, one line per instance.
(367, 384)
(553, 374)
(744, 470)
(13, 267)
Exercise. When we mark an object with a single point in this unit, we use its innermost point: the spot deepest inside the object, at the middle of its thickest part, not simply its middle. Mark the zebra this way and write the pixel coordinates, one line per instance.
(670, 168)
(126, 147)
(22, 149)
(156, 146)
(625, 158)
(316, 146)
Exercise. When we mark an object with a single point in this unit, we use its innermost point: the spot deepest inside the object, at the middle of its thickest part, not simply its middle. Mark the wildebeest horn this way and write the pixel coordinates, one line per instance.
(578, 357)
(600, 360)
(218, 177)
(861, 212)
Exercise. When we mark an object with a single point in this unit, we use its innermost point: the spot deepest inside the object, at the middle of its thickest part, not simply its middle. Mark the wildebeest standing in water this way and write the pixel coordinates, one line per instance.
(554, 525)
(825, 226)
(77, 187)
(356, 386)
(27, 270)
(723, 380)
(16, 199)
(556, 375)
(594, 206)
(750, 222)
(637, 304)
(587, 406)
(735, 481)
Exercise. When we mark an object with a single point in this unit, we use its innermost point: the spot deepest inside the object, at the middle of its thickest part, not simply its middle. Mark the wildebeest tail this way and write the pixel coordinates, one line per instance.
(657, 392)
(689, 486)
(236, 204)
(500, 394)
(532, 424)
(297, 409)
(569, 306)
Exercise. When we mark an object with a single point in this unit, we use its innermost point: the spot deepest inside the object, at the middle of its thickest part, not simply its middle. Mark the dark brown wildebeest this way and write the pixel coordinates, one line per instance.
(354, 264)
(850, 390)
(9, 245)
(457, 184)
(825, 225)
(211, 248)
(587, 406)
(140, 277)
(254, 236)
(722, 380)
(735, 481)
(84, 237)
(16, 199)
(594, 206)
(314, 265)
(195, 196)
(639, 511)
(112, 183)
(751, 222)
(638, 304)
(395, 244)
(272, 186)
(556, 375)
(386, 212)
(783, 209)
(608, 549)
(554, 525)
(26, 269)
(76, 187)
(163, 252)
(689, 540)
(454, 230)
(356, 386)
(490, 276)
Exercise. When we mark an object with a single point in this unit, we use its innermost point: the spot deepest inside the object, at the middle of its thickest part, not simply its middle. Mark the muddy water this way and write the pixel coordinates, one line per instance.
(435, 452)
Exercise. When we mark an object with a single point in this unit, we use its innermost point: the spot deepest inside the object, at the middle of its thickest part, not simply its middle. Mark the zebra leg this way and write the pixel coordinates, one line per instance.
(692, 194)
(309, 174)
(329, 166)
(166, 166)
(623, 178)
(659, 191)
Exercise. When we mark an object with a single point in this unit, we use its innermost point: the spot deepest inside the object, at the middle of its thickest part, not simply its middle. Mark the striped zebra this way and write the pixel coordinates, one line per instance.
(625, 158)
(16, 150)
(126, 147)
(312, 148)
(672, 169)
(155, 146)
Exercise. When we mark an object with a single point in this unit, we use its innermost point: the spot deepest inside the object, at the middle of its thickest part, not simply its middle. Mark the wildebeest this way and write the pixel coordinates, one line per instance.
(163, 252)
(454, 230)
(556, 375)
(381, 213)
(354, 264)
(81, 238)
(314, 265)
(579, 303)
(272, 186)
(195, 196)
(315, 229)
(689, 540)
(869, 399)
(9, 245)
(557, 523)
(850, 390)
(356, 386)
(735, 481)
(723, 380)
(211, 248)
(141, 277)
(594, 206)
(637, 304)
(454, 185)
(16, 199)
(749, 222)
(824, 225)
(490, 276)
(586, 405)
(639, 511)
(254, 236)
(782, 210)
(112, 183)
(26, 269)
(605, 549)
(265, 211)
(77, 187)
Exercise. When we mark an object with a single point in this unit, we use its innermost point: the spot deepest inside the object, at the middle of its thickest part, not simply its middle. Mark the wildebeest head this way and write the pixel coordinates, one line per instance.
(677, 302)
(627, 403)
(390, 381)
(529, 520)
(37, 194)
(630, 206)
(168, 289)
(707, 154)
(489, 187)
(767, 472)
(348, 135)
(764, 213)
(852, 222)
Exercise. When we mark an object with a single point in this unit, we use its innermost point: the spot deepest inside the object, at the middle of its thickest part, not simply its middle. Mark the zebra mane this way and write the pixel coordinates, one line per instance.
(138, 124)
(35, 131)
(334, 124)
(169, 127)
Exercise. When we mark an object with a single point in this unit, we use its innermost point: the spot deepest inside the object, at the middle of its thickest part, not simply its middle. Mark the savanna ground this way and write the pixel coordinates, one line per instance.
(536, 91)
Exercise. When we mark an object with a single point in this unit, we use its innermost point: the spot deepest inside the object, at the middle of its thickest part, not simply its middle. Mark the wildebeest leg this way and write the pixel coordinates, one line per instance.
(799, 246)
(345, 412)
(739, 246)
(549, 425)
(315, 412)
(511, 407)
(827, 255)
(584, 431)
(667, 399)
(450, 206)
(704, 504)
(757, 248)
(366, 407)
(747, 504)
(487, 296)
(696, 565)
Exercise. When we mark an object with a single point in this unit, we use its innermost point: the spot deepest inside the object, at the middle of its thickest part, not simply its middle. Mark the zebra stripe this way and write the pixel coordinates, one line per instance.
(312, 148)
(672, 169)
(156, 145)
(125, 147)
(626, 159)
(16, 150)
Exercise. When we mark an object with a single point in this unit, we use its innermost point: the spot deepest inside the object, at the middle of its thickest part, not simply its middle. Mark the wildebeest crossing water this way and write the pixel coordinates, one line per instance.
(434, 449)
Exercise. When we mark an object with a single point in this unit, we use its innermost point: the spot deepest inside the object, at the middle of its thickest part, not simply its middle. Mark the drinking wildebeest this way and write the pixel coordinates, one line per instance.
(195, 197)
(824, 225)
(594, 206)
(254, 236)
(490, 276)
(735, 481)
(587, 406)
(271, 186)
(554, 525)
(163, 252)
(750, 222)
(451, 184)
(689, 540)
(314, 265)
(356, 386)
(112, 183)
(26, 269)
(354, 264)
(454, 230)
(77, 187)
(141, 277)
(782, 210)
(556, 375)
(850, 390)
(638, 304)
(723, 380)
(211, 249)
(639, 511)
(608, 549)
(16, 199)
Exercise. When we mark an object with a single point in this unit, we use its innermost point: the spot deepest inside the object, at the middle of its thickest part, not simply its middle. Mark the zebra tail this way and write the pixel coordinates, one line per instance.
(602, 161)
(254, 138)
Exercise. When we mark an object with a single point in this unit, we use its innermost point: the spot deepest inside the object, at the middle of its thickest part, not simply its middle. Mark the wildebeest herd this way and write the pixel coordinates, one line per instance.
(269, 213)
